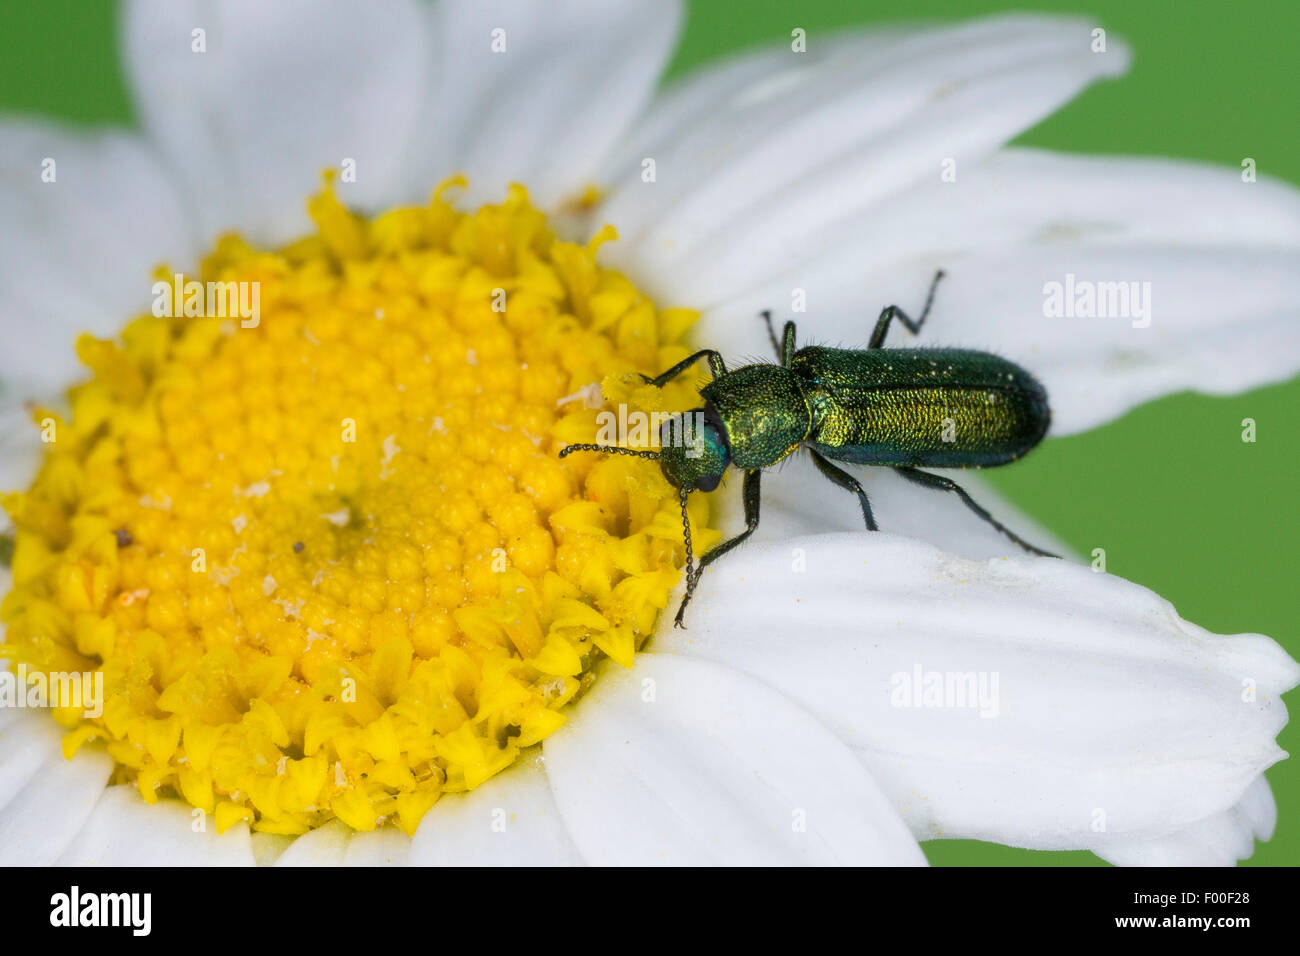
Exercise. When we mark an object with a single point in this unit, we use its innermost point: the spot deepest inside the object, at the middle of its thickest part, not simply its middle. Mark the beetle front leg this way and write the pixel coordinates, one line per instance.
(751, 497)
(785, 348)
(766, 316)
(787, 344)
(716, 366)
(892, 312)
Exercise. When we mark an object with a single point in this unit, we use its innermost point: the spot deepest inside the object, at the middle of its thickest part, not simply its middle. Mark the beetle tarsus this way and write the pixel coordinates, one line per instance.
(891, 312)
(938, 482)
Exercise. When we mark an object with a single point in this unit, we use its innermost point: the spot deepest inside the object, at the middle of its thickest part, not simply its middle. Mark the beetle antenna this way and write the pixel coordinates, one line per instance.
(691, 576)
(613, 449)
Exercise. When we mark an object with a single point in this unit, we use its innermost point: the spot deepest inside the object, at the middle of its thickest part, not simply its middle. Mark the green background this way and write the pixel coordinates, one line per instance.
(1171, 492)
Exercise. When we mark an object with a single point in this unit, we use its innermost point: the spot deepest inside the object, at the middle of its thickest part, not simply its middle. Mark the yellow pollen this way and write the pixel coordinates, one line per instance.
(326, 558)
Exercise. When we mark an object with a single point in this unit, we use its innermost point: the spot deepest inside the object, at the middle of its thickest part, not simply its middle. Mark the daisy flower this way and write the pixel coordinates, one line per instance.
(303, 580)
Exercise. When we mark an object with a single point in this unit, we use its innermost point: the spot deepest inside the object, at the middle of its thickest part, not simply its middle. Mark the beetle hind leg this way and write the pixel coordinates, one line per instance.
(892, 312)
(846, 481)
(927, 480)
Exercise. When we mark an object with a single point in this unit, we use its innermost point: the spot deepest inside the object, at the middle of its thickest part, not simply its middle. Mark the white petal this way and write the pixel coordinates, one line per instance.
(1258, 810)
(324, 846)
(79, 251)
(1218, 840)
(1221, 259)
(692, 102)
(26, 742)
(123, 830)
(573, 75)
(269, 847)
(784, 159)
(1106, 702)
(511, 820)
(681, 762)
(284, 90)
(1221, 321)
(43, 807)
(337, 844)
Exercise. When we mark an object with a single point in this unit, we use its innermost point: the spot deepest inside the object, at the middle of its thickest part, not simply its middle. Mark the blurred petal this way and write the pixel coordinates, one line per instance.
(573, 75)
(283, 91)
(20, 453)
(123, 830)
(1221, 259)
(45, 799)
(1219, 840)
(1100, 703)
(511, 820)
(78, 252)
(692, 102)
(25, 744)
(839, 129)
(337, 844)
(681, 762)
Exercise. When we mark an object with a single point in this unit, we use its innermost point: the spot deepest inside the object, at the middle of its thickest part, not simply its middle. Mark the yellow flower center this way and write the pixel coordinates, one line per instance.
(325, 557)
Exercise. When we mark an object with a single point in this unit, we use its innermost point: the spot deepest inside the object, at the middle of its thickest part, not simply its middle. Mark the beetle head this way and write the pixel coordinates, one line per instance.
(693, 451)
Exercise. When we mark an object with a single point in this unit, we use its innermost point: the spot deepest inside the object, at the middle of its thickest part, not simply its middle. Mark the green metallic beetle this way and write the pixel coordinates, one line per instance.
(900, 408)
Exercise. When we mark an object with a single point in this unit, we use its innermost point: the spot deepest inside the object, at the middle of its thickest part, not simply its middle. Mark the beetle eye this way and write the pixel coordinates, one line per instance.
(708, 482)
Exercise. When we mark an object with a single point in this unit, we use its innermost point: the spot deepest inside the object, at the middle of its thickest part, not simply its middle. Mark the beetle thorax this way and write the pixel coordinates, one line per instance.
(764, 412)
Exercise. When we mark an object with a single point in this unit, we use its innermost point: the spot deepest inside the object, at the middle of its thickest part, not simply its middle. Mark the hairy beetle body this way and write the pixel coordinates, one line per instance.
(942, 408)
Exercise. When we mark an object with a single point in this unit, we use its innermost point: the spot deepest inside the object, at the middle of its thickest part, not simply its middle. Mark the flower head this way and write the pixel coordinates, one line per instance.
(335, 579)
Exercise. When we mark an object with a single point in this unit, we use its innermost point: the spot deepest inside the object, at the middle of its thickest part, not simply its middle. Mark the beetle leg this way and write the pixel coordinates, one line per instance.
(894, 312)
(848, 482)
(787, 344)
(766, 316)
(716, 366)
(928, 480)
(751, 497)
(784, 349)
